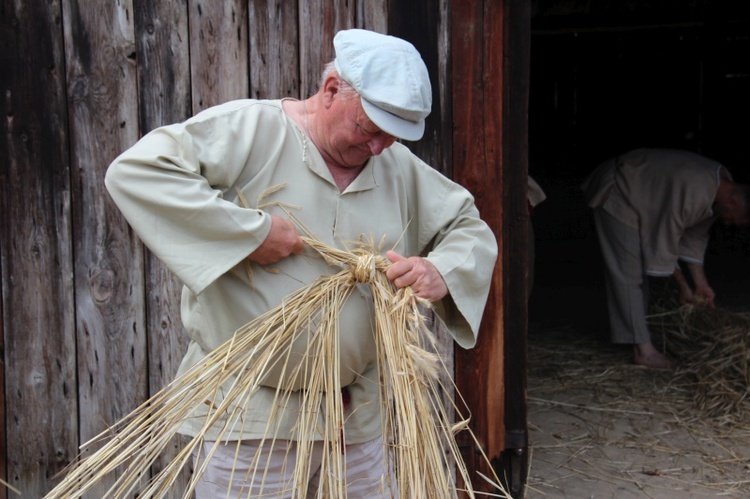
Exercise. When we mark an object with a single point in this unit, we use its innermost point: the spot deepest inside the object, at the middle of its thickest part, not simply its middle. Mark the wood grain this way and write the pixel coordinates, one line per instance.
(274, 49)
(487, 160)
(164, 97)
(320, 20)
(90, 318)
(109, 266)
(36, 244)
(218, 52)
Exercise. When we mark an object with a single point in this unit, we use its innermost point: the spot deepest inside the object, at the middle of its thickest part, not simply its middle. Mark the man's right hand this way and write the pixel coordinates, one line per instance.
(704, 295)
(281, 242)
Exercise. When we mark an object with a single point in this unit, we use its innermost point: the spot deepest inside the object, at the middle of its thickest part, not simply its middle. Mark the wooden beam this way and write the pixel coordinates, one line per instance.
(515, 230)
(477, 164)
(490, 89)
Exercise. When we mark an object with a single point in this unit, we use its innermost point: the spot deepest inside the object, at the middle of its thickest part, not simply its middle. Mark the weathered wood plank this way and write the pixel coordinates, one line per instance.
(163, 57)
(35, 242)
(109, 269)
(423, 24)
(162, 45)
(218, 52)
(274, 49)
(373, 15)
(320, 20)
(478, 49)
(515, 256)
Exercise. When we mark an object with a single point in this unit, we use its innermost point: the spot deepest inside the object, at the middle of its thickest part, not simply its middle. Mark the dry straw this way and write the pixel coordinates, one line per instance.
(10, 487)
(418, 432)
(711, 347)
(598, 423)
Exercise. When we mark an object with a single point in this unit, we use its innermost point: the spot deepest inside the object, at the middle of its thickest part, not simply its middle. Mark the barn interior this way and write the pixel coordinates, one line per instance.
(608, 76)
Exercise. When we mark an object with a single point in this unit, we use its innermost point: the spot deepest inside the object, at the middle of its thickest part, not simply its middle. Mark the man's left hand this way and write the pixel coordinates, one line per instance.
(420, 274)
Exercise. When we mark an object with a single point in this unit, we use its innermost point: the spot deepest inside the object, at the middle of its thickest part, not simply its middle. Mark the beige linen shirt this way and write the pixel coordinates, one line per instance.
(667, 195)
(177, 189)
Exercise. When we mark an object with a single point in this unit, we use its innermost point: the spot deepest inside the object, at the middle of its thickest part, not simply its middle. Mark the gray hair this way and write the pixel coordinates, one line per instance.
(345, 89)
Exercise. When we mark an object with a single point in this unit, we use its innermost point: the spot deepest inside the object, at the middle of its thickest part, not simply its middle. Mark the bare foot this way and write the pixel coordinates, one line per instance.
(645, 354)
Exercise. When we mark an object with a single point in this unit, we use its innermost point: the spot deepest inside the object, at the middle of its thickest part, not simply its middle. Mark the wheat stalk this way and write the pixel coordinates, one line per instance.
(417, 430)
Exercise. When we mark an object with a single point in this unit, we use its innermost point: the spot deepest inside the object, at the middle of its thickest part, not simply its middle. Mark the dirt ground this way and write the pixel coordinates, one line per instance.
(601, 427)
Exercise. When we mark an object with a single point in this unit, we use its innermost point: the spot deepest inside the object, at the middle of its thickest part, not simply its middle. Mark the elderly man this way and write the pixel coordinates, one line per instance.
(652, 209)
(337, 156)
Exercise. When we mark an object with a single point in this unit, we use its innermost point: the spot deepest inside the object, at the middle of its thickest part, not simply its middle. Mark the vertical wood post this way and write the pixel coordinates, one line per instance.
(516, 63)
(490, 44)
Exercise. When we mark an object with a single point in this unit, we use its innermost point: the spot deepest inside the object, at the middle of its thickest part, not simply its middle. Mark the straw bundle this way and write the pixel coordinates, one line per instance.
(417, 431)
(711, 345)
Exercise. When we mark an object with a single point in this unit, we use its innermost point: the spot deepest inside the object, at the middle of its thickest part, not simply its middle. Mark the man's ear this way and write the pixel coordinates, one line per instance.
(330, 89)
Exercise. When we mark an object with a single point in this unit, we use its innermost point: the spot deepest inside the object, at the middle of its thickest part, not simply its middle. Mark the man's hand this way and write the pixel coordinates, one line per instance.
(702, 292)
(420, 274)
(686, 295)
(281, 242)
(704, 295)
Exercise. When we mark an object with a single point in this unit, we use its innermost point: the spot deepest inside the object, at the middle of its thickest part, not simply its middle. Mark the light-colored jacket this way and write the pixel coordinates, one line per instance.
(177, 189)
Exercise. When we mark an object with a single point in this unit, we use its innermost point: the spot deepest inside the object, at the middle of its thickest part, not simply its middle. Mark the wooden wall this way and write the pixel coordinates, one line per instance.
(90, 320)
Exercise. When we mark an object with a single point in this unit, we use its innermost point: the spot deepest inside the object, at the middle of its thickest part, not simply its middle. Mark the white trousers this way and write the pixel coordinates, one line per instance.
(627, 285)
(227, 477)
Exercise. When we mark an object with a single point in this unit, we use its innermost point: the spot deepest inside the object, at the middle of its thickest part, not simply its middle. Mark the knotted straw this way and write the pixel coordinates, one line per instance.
(418, 434)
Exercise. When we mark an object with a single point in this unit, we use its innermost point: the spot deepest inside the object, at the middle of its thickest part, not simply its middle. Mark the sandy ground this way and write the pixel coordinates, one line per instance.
(603, 428)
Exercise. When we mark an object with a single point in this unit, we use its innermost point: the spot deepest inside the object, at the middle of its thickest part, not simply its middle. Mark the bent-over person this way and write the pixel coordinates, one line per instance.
(653, 208)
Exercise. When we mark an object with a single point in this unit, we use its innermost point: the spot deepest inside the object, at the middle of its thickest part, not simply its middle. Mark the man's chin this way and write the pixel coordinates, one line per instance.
(357, 161)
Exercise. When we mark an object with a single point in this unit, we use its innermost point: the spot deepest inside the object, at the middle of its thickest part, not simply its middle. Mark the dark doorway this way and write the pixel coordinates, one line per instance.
(611, 76)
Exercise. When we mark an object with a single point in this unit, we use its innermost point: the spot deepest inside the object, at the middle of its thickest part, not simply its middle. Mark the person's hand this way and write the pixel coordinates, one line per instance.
(704, 295)
(281, 242)
(686, 295)
(420, 274)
